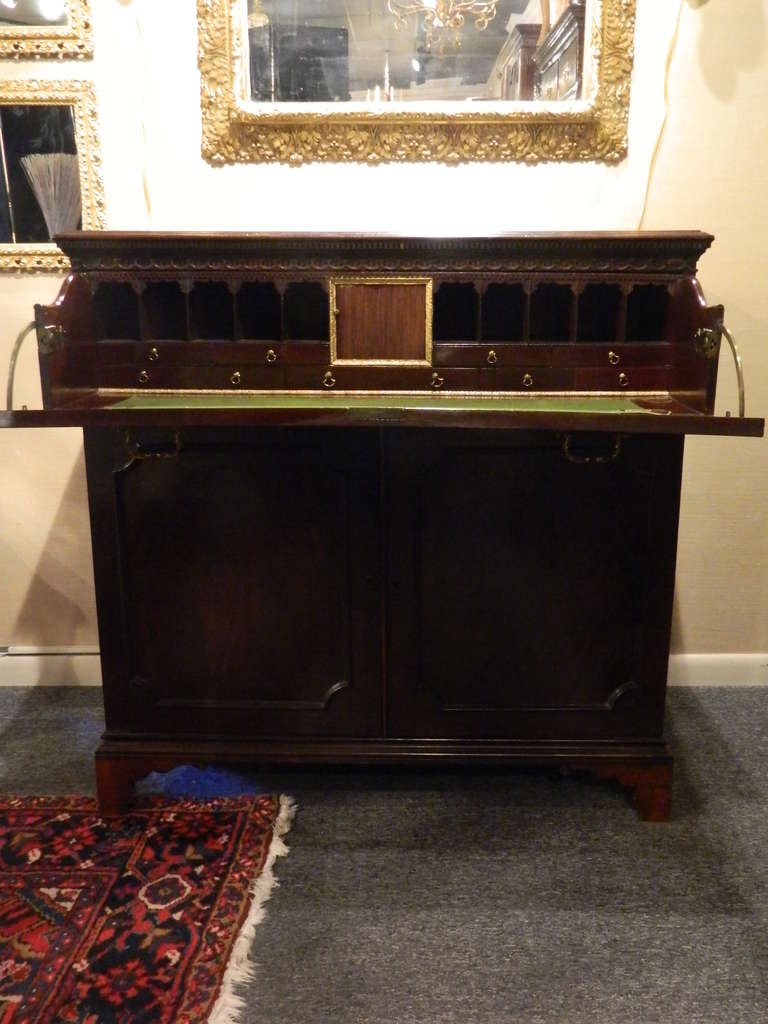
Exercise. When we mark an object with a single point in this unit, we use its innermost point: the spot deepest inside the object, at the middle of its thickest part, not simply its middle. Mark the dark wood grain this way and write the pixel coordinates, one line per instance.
(381, 321)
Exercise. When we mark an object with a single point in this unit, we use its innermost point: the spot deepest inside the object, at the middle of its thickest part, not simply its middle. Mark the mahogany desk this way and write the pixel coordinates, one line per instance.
(361, 499)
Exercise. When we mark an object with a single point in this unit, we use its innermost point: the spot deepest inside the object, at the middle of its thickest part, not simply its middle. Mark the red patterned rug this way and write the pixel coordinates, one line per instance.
(143, 918)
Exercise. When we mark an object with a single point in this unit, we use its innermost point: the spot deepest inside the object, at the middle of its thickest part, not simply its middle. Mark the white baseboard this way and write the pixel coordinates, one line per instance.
(718, 670)
(50, 666)
(80, 666)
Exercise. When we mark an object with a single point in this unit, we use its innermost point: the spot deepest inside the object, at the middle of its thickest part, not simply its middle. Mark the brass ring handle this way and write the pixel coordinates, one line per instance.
(586, 460)
(492, 358)
(623, 380)
(154, 354)
(271, 356)
(527, 380)
(614, 358)
(143, 377)
(235, 378)
(437, 381)
(329, 381)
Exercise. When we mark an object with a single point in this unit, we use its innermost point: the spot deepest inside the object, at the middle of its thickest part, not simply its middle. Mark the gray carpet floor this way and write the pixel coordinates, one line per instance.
(494, 897)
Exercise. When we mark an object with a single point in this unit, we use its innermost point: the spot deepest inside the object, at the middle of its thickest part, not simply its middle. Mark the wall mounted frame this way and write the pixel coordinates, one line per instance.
(80, 97)
(238, 130)
(72, 40)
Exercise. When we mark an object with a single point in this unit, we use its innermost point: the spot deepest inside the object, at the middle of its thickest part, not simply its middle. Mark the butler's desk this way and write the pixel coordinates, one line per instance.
(363, 499)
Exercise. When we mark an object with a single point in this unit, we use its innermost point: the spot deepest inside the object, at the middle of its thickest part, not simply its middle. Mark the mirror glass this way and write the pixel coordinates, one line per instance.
(40, 175)
(33, 12)
(412, 51)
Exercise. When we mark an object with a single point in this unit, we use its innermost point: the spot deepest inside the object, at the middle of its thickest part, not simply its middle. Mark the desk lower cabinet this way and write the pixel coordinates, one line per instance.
(330, 595)
(365, 499)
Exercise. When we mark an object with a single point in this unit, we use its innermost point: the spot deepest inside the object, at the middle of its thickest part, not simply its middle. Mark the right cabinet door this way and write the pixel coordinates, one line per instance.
(530, 583)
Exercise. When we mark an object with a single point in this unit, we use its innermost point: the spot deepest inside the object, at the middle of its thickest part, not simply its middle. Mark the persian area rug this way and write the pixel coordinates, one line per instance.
(145, 918)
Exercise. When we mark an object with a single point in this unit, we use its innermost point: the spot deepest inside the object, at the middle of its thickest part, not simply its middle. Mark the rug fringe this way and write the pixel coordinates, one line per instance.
(240, 969)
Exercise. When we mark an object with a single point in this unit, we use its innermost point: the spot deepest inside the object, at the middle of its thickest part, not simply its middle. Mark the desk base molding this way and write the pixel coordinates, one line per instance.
(644, 769)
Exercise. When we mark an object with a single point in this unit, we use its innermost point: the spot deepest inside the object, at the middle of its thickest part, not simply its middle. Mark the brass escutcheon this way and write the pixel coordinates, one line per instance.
(50, 338)
(437, 381)
(492, 358)
(706, 342)
(527, 380)
(143, 377)
(271, 356)
(614, 358)
(235, 378)
(329, 381)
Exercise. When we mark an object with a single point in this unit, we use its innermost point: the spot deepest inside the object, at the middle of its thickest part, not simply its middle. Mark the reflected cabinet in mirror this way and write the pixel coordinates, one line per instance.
(447, 80)
(45, 28)
(50, 179)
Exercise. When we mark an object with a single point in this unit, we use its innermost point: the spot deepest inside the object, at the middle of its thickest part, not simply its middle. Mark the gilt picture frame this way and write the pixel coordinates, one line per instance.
(73, 40)
(593, 128)
(80, 97)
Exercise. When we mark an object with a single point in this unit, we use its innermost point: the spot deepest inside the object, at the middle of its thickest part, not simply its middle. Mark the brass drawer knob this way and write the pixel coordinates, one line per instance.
(437, 381)
(271, 356)
(527, 380)
(329, 381)
(235, 378)
(614, 358)
(143, 377)
(623, 380)
(154, 354)
(492, 358)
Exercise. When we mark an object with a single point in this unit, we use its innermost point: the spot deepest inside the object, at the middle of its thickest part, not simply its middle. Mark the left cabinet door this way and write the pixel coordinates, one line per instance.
(237, 581)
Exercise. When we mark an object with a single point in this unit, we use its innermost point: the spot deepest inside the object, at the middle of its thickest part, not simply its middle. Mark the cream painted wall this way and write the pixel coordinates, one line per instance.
(707, 168)
(712, 172)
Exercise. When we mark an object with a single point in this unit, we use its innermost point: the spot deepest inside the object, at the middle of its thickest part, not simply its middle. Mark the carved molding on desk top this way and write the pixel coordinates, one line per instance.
(674, 254)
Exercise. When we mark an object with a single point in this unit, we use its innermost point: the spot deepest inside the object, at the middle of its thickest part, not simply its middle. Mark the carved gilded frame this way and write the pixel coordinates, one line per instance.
(591, 129)
(81, 97)
(75, 39)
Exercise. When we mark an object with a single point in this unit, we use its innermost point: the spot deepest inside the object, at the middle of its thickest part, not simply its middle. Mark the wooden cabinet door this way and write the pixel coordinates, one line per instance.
(530, 586)
(238, 583)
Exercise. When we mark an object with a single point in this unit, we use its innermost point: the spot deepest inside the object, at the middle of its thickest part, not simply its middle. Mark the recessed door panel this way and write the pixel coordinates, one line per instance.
(529, 582)
(249, 586)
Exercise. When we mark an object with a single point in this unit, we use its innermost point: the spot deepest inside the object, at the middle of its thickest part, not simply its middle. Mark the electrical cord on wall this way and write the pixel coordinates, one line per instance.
(659, 137)
(12, 365)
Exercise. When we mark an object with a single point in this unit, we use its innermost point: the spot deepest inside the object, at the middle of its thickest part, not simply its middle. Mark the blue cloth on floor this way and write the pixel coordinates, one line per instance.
(200, 783)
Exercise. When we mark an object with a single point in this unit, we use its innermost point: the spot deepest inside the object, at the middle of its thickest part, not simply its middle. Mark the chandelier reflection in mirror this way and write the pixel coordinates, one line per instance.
(444, 19)
(412, 51)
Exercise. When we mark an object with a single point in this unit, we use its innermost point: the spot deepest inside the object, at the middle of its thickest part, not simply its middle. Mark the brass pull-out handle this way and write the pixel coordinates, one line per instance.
(527, 380)
(614, 358)
(437, 381)
(143, 377)
(329, 381)
(623, 380)
(236, 378)
(492, 358)
(596, 458)
(739, 368)
(271, 356)
(154, 354)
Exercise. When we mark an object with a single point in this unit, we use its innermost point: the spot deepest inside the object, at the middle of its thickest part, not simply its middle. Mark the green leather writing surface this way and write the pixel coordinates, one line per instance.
(457, 403)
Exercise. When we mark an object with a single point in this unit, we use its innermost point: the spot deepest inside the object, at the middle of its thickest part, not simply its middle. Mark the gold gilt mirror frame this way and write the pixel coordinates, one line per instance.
(238, 130)
(17, 97)
(71, 39)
